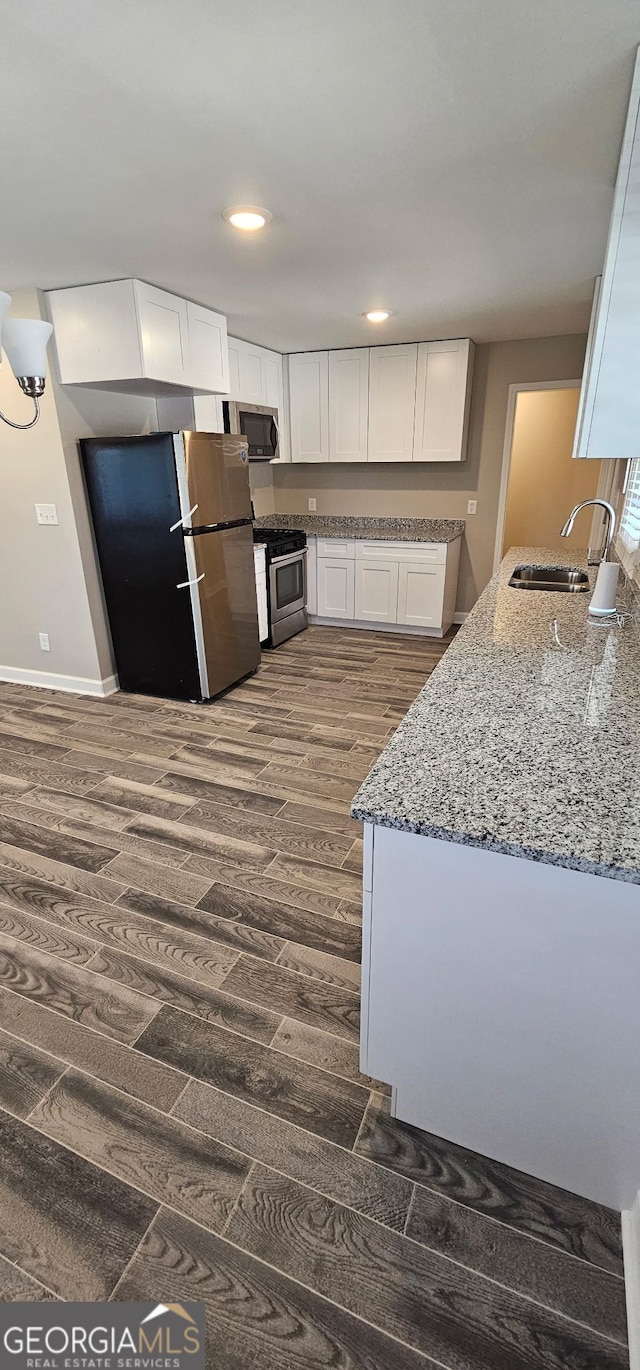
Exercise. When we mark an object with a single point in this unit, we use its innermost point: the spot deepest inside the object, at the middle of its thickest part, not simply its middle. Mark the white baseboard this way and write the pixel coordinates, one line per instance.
(460, 618)
(375, 627)
(631, 1255)
(71, 684)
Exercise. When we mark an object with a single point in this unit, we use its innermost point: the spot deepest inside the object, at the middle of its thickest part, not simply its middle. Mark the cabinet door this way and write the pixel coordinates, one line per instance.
(234, 369)
(348, 404)
(336, 586)
(164, 334)
(443, 393)
(392, 399)
(250, 374)
(309, 402)
(377, 591)
(261, 595)
(272, 380)
(208, 350)
(96, 333)
(420, 594)
(609, 414)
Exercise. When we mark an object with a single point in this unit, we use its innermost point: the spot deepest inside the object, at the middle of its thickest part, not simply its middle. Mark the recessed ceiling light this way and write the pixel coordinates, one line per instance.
(377, 315)
(247, 217)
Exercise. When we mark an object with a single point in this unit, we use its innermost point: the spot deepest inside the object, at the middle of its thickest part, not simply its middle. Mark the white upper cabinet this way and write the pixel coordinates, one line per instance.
(208, 348)
(250, 366)
(608, 422)
(164, 333)
(255, 374)
(348, 404)
(392, 399)
(128, 335)
(407, 402)
(272, 381)
(309, 401)
(443, 399)
(234, 368)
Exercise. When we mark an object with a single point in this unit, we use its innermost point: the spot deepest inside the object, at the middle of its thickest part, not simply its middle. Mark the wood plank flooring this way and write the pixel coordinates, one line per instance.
(181, 1110)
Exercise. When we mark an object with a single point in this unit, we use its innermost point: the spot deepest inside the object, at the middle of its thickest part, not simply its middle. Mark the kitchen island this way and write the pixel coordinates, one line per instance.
(501, 951)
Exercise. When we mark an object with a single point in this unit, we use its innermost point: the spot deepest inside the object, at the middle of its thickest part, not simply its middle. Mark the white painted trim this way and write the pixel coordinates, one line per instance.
(73, 684)
(514, 391)
(460, 617)
(631, 1256)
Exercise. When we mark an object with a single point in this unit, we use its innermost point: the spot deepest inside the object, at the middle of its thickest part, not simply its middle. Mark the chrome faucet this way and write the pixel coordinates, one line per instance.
(611, 528)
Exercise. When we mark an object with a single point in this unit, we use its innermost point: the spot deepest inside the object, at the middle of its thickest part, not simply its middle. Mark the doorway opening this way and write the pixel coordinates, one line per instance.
(541, 482)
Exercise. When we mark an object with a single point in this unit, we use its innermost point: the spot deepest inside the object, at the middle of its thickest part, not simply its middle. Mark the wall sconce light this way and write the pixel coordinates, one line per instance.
(25, 343)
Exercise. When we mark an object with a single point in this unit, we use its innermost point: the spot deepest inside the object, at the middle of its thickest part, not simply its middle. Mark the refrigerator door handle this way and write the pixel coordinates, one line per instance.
(184, 584)
(181, 523)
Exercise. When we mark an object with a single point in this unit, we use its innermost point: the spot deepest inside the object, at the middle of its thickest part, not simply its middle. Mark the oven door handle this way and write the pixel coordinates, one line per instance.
(291, 556)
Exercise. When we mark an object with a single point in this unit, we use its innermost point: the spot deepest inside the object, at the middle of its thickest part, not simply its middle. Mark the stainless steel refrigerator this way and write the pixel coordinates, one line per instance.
(174, 536)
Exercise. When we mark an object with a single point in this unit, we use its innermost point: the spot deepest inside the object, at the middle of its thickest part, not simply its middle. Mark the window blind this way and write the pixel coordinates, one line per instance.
(630, 518)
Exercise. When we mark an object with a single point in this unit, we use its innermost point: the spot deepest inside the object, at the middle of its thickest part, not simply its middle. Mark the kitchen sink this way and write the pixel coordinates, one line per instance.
(558, 578)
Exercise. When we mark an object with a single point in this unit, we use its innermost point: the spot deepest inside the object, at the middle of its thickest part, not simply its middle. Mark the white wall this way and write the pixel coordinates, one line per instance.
(48, 574)
(41, 569)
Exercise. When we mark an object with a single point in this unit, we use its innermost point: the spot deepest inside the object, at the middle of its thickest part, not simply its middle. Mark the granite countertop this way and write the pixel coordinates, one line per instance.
(525, 739)
(353, 526)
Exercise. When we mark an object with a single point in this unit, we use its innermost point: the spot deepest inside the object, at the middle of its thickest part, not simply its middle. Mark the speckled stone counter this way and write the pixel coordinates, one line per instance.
(526, 738)
(347, 526)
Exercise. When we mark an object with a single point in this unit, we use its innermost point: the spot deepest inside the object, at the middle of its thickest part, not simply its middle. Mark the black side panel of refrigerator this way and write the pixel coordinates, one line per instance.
(132, 488)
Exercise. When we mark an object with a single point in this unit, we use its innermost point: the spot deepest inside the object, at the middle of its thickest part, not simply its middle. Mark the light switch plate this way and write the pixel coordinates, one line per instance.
(472, 506)
(46, 513)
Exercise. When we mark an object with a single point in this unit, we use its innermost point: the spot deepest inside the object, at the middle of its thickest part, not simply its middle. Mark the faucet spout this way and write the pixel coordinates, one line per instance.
(610, 529)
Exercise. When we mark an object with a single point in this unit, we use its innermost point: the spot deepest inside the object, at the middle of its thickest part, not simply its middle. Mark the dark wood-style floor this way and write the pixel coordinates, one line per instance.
(181, 1112)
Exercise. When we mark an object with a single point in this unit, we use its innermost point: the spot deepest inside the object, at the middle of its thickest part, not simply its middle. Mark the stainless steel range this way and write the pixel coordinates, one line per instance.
(286, 581)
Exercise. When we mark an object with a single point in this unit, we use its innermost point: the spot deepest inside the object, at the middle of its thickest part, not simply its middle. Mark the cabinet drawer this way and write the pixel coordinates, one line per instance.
(335, 547)
(428, 553)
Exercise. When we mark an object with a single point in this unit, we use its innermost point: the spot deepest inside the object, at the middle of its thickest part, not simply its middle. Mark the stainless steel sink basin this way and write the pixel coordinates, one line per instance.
(557, 578)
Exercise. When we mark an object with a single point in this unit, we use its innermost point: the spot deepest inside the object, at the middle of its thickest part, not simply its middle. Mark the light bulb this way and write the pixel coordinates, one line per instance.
(247, 217)
(377, 315)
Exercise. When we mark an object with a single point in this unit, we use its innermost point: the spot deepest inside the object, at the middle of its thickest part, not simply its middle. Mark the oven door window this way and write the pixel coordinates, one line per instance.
(289, 583)
(261, 433)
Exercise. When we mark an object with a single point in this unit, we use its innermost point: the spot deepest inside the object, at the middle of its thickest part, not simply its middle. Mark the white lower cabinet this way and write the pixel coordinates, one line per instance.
(420, 594)
(377, 591)
(260, 563)
(336, 587)
(406, 585)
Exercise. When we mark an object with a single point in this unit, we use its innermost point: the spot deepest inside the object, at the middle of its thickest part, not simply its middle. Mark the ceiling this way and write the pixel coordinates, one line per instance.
(450, 160)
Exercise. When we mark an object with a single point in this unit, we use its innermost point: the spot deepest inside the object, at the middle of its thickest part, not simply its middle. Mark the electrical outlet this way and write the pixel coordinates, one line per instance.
(46, 513)
(472, 506)
(44, 642)
(311, 505)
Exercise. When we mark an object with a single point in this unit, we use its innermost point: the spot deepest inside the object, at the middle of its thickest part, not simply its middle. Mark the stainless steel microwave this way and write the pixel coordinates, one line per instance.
(257, 423)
